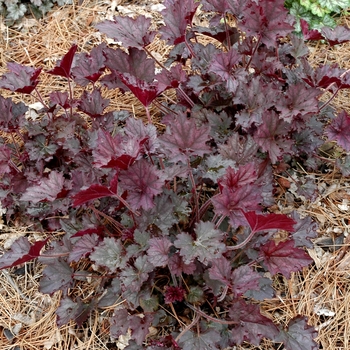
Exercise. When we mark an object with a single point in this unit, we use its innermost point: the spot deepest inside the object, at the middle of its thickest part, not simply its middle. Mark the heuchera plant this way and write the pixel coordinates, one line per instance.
(175, 223)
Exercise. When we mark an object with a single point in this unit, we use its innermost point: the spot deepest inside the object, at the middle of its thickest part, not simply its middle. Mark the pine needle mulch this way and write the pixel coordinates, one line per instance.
(320, 292)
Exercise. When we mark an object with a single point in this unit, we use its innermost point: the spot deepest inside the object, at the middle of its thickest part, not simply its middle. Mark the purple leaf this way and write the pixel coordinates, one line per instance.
(269, 221)
(184, 139)
(63, 68)
(177, 265)
(251, 325)
(61, 98)
(144, 91)
(312, 34)
(93, 104)
(132, 32)
(21, 251)
(12, 114)
(89, 68)
(83, 247)
(338, 130)
(5, 160)
(143, 181)
(268, 20)
(48, 189)
(21, 78)
(70, 310)
(283, 257)
(178, 14)
(298, 100)
(58, 275)
(158, 251)
(298, 336)
(93, 192)
(244, 278)
(207, 246)
(223, 64)
(338, 35)
(270, 136)
(221, 270)
(200, 340)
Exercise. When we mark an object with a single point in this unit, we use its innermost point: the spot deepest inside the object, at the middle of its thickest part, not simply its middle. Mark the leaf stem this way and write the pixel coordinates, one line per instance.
(238, 246)
(193, 183)
(253, 53)
(227, 34)
(148, 115)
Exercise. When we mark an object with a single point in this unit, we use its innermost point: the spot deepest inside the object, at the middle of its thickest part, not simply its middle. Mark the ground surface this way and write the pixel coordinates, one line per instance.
(321, 292)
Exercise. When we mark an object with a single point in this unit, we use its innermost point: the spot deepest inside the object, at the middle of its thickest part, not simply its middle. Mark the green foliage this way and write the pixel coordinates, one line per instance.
(318, 13)
(14, 10)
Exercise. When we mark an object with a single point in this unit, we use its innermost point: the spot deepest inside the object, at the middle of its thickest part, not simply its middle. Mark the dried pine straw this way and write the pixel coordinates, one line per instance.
(321, 292)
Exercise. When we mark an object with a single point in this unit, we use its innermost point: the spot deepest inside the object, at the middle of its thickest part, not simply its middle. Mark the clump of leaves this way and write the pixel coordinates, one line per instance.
(317, 13)
(177, 218)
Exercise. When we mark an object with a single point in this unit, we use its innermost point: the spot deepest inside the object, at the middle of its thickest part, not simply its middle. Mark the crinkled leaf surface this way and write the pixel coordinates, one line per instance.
(221, 270)
(71, 310)
(48, 188)
(12, 114)
(251, 325)
(299, 335)
(207, 246)
(58, 275)
(184, 139)
(178, 14)
(83, 247)
(283, 257)
(20, 78)
(143, 181)
(203, 341)
(5, 158)
(268, 20)
(109, 253)
(338, 35)
(132, 32)
(158, 252)
(338, 130)
(93, 103)
(21, 251)
(244, 278)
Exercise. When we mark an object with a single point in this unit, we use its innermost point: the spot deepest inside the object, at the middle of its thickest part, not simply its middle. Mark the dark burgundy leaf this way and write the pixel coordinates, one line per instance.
(70, 310)
(178, 14)
(177, 265)
(89, 68)
(270, 221)
(158, 252)
(184, 139)
(338, 35)
(338, 130)
(89, 231)
(58, 275)
(144, 91)
(48, 189)
(143, 181)
(119, 323)
(298, 100)
(61, 98)
(221, 270)
(283, 257)
(251, 325)
(21, 251)
(172, 77)
(298, 336)
(135, 64)
(12, 114)
(93, 103)
(244, 278)
(83, 247)
(245, 175)
(223, 64)
(5, 159)
(270, 136)
(63, 68)
(21, 78)
(95, 191)
(268, 20)
(312, 34)
(200, 340)
(132, 32)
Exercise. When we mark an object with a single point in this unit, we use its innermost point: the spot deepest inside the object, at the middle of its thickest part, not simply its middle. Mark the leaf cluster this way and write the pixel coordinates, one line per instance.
(174, 221)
